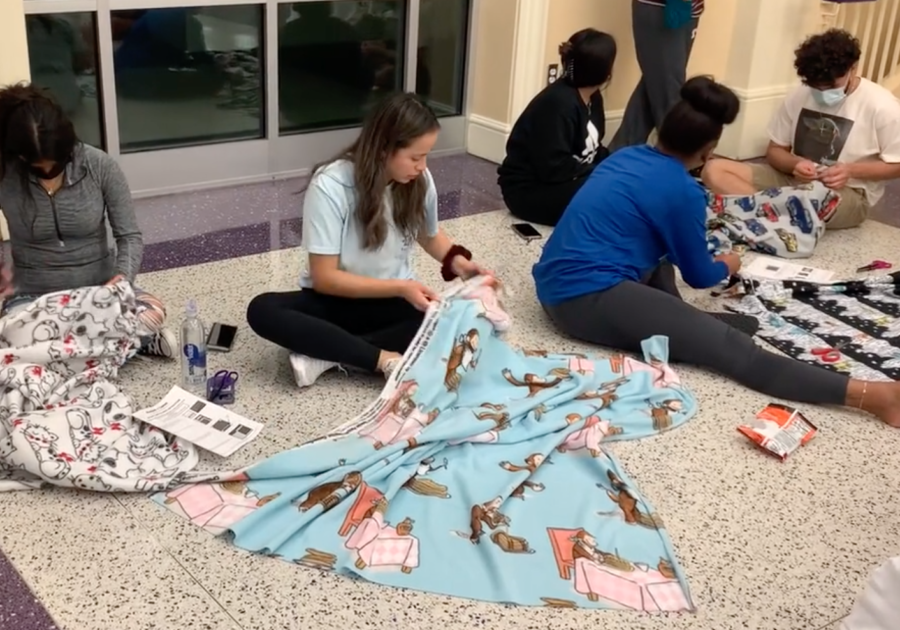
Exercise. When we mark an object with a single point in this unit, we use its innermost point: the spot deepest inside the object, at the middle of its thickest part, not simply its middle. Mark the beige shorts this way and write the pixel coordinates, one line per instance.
(851, 212)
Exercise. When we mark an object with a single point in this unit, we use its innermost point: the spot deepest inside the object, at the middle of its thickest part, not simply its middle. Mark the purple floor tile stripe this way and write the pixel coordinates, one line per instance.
(19, 608)
(271, 212)
(258, 218)
(211, 247)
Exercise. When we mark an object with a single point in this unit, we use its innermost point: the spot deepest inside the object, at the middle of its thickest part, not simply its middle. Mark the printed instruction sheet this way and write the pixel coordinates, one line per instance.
(777, 269)
(200, 422)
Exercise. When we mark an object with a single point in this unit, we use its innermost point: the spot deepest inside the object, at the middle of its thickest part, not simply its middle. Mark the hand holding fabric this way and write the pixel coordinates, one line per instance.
(417, 294)
(465, 268)
(732, 260)
(805, 170)
(6, 281)
(836, 176)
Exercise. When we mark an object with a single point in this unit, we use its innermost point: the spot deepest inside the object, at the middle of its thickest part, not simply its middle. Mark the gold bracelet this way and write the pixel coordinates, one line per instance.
(862, 396)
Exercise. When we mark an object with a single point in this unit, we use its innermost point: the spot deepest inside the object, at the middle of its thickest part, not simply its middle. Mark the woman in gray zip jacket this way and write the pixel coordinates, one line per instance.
(60, 198)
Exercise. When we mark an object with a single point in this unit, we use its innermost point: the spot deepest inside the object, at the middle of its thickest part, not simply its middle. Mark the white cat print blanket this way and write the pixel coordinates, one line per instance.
(63, 420)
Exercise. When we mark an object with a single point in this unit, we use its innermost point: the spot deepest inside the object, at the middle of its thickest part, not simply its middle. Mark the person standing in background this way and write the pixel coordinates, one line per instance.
(664, 32)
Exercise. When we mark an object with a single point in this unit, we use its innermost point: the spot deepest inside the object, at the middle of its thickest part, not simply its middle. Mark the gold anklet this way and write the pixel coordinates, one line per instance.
(862, 396)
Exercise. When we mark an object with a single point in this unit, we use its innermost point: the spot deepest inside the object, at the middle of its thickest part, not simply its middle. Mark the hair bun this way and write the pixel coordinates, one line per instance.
(565, 49)
(712, 99)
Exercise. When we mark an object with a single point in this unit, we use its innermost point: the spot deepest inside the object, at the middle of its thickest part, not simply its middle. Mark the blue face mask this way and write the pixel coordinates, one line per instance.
(830, 98)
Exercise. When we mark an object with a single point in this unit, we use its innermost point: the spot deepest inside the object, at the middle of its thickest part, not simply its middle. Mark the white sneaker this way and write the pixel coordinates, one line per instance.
(307, 370)
(163, 344)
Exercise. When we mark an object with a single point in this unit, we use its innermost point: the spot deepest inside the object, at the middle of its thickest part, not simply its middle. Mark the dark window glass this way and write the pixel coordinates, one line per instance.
(188, 76)
(335, 59)
(441, 65)
(62, 53)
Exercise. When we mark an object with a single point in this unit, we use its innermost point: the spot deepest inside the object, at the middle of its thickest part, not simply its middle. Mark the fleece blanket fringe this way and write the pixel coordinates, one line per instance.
(63, 419)
(478, 464)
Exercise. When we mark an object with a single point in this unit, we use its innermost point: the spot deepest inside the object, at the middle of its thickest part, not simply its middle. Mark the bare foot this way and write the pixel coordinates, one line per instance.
(880, 399)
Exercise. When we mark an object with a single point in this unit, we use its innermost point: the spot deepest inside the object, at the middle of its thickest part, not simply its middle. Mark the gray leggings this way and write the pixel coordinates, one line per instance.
(662, 54)
(623, 316)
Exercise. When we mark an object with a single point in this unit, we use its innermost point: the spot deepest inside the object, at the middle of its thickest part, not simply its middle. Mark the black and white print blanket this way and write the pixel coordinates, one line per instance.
(63, 419)
(861, 318)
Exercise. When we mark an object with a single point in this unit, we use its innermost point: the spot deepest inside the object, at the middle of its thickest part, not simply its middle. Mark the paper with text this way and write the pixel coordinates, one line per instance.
(200, 422)
(776, 269)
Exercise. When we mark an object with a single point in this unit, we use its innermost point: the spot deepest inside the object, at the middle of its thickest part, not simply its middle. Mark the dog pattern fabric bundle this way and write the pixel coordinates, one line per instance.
(860, 319)
(63, 420)
(784, 222)
(481, 471)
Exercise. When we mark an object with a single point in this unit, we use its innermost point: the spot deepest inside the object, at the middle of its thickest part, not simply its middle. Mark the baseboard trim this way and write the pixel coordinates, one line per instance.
(764, 93)
(486, 138)
(746, 138)
(241, 181)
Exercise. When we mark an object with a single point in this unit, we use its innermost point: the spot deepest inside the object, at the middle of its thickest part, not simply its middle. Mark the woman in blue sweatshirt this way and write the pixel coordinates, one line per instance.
(606, 275)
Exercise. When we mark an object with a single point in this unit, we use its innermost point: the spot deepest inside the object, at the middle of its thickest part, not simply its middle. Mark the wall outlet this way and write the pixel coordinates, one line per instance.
(552, 73)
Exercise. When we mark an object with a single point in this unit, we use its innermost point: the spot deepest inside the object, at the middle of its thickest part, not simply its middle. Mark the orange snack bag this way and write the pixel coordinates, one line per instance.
(779, 430)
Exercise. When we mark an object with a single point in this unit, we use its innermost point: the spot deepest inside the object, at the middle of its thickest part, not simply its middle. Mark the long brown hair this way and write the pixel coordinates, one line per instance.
(395, 123)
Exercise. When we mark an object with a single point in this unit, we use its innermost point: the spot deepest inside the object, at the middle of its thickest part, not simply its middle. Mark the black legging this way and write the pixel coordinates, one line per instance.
(352, 332)
(543, 204)
(626, 314)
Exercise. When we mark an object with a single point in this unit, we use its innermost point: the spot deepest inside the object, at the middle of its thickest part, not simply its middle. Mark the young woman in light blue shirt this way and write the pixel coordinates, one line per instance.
(360, 304)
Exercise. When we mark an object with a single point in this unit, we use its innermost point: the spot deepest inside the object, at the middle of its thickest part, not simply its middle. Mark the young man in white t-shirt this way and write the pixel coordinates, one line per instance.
(837, 127)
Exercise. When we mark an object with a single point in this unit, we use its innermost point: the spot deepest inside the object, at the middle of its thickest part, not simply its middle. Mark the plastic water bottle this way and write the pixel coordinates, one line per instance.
(193, 350)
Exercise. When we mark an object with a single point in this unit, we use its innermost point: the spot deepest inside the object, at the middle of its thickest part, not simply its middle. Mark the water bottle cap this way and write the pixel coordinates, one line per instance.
(191, 309)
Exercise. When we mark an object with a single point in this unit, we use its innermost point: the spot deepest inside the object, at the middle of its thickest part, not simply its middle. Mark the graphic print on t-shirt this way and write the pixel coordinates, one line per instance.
(591, 144)
(819, 137)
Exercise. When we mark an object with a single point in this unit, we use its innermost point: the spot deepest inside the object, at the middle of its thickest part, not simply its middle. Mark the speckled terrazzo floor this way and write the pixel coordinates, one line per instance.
(766, 546)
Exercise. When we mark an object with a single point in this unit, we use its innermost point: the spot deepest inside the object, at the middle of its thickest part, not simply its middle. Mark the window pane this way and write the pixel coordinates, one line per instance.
(62, 53)
(441, 68)
(188, 75)
(335, 59)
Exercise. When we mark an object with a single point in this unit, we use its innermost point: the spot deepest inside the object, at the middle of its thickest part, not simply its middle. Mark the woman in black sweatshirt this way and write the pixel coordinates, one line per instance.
(555, 143)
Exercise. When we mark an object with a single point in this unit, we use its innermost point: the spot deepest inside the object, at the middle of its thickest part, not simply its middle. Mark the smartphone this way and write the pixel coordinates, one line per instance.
(221, 337)
(526, 231)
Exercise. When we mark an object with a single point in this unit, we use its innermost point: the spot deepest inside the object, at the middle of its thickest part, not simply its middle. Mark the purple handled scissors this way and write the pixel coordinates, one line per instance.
(220, 388)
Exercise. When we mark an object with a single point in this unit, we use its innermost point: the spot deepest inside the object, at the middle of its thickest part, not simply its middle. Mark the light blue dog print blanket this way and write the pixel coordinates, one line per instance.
(481, 471)
(785, 222)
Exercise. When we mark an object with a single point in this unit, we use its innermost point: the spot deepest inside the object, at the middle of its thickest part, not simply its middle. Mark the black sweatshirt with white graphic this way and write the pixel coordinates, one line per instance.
(555, 140)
